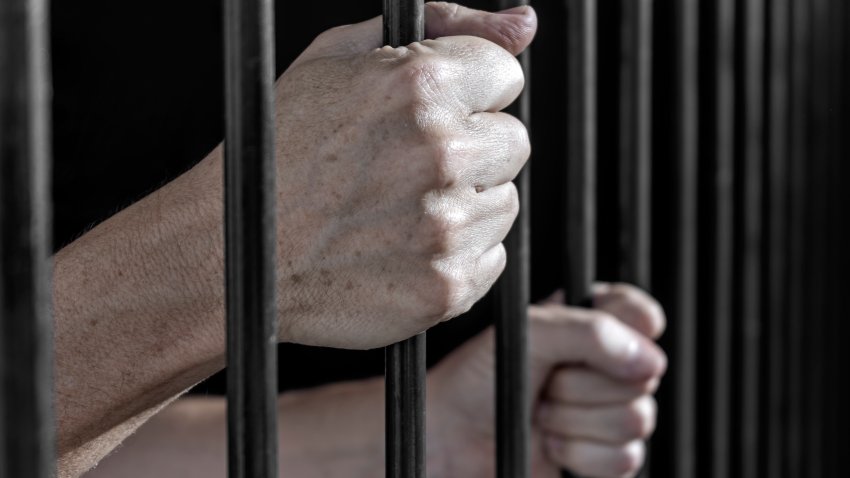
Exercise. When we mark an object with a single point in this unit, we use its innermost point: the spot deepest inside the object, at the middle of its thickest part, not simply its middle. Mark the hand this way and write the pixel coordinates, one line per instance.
(395, 172)
(592, 375)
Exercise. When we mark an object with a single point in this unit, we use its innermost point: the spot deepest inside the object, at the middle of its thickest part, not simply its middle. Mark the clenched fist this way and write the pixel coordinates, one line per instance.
(395, 169)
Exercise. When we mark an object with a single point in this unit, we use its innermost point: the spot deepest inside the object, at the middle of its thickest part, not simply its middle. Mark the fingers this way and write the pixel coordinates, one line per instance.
(632, 305)
(501, 146)
(511, 29)
(610, 424)
(568, 335)
(584, 386)
(588, 458)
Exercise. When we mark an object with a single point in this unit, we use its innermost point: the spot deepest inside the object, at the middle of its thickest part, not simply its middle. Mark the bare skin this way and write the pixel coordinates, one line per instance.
(395, 194)
(593, 373)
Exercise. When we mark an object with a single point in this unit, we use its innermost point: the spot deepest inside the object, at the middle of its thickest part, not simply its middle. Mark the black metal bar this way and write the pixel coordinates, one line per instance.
(513, 400)
(719, 237)
(579, 254)
(776, 264)
(635, 148)
(798, 253)
(820, 105)
(250, 238)
(404, 23)
(26, 343)
(635, 162)
(580, 247)
(750, 232)
(682, 307)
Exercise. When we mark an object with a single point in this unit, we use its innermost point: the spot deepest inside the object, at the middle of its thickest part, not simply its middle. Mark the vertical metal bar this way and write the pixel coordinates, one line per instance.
(513, 407)
(635, 161)
(404, 23)
(635, 146)
(250, 238)
(797, 306)
(776, 268)
(26, 344)
(580, 247)
(721, 237)
(751, 230)
(579, 255)
(819, 57)
(683, 306)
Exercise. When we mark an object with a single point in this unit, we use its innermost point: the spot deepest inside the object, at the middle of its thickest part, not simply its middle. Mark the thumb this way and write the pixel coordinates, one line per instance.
(512, 29)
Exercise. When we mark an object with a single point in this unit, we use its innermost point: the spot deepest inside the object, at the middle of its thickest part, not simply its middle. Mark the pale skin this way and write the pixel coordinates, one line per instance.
(593, 372)
(394, 197)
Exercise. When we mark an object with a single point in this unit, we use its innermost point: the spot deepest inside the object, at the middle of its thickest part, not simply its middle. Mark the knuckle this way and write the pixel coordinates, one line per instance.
(421, 75)
(438, 232)
(438, 296)
(510, 203)
(598, 326)
(442, 150)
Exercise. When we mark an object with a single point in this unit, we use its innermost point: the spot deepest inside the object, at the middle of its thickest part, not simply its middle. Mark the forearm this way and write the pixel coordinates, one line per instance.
(138, 315)
(328, 432)
(336, 431)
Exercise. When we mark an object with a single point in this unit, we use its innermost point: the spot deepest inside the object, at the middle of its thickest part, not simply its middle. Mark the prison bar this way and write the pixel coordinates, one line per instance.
(635, 144)
(798, 152)
(719, 169)
(513, 407)
(26, 343)
(819, 150)
(677, 425)
(250, 239)
(752, 14)
(579, 238)
(776, 241)
(404, 23)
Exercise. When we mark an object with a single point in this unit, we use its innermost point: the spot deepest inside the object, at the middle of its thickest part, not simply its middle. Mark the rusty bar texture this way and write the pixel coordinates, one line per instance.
(579, 253)
(404, 23)
(26, 343)
(250, 239)
(513, 408)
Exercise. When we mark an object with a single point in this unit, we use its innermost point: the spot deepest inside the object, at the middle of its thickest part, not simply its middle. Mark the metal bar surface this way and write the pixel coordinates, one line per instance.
(250, 239)
(684, 223)
(797, 305)
(404, 23)
(821, 106)
(26, 342)
(721, 236)
(635, 162)
(579, 254)
(750, 208)
(513, 399)
(776, 267)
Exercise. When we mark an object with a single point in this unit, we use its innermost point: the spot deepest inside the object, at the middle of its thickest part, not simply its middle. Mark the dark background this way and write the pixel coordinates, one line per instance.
(139, 99)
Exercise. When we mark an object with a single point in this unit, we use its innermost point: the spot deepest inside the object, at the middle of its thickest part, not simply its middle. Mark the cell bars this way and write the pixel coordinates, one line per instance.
(250, 238)
(26, 357)
(745, 137)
